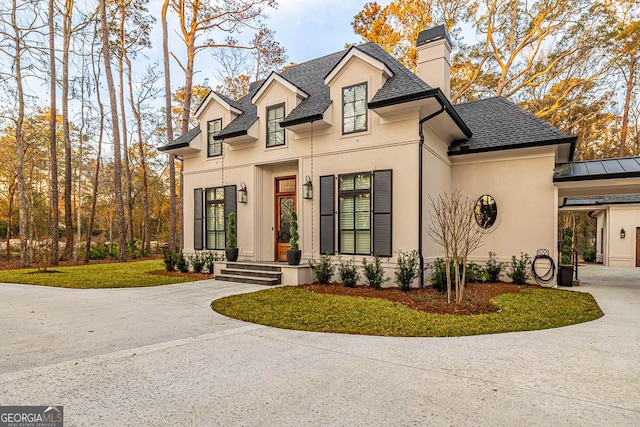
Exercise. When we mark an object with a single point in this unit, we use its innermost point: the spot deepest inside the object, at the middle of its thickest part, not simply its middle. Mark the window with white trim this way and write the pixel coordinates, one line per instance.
(354, 108)
(214, 218)
(214, 148)
(354, 210)
(275, 134)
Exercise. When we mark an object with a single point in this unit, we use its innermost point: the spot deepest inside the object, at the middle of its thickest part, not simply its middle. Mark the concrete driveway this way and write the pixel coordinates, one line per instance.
(160, 356)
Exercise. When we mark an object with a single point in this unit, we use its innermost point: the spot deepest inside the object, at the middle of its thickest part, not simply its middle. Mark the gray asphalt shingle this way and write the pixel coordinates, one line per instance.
(498, 123)
(182, 141)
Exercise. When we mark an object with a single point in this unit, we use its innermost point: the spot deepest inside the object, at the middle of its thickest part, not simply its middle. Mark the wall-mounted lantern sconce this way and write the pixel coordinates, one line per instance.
(307, 188)
(242, 193)
(622, 233)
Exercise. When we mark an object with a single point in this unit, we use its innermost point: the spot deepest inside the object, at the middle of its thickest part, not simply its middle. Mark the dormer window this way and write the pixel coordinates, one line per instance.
(275, 134)
(214, 148)
(354, 108)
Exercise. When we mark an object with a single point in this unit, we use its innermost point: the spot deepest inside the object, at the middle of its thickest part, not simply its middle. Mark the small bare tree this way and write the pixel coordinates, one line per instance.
(460, 230)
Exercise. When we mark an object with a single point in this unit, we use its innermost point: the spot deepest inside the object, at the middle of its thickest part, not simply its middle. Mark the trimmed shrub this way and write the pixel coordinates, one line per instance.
(567, 247)
(475, 273)
(181, 263)
(293, 231)
(231, 231)
(197, 262)
(439, 275)
(348, 273)
(209, 259)
(494, 268)
(589, 255)
(407, 269)
(374, 272)
(520, 269)
(323, 269)
(170, 258)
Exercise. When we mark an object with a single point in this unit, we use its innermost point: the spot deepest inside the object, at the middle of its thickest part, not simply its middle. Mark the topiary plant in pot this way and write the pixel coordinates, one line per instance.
(566, 255)
(294, 253)
(231, 251)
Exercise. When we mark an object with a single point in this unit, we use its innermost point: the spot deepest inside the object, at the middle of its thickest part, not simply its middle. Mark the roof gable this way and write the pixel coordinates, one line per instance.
(214, 96)
(275, 77)
(351, 54)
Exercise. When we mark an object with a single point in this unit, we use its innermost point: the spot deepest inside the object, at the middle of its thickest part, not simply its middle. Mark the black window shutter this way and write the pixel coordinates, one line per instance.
(382, 196)
(230, 206)
(198, 223)
(327, 214)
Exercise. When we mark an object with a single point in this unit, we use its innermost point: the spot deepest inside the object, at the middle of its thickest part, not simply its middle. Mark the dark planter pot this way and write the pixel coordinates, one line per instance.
(231, 254)
(293, 257)
(566, 275)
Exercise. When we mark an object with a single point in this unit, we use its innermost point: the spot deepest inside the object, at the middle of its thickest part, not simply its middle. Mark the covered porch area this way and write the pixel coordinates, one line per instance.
(609, 191)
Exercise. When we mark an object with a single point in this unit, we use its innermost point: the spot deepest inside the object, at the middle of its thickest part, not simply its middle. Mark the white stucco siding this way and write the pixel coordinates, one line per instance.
(436, 180)
(622, 251)
(522, 185)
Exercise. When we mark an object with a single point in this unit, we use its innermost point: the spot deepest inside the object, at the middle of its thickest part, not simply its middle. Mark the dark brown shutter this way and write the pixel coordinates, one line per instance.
(230, 206)
(382, 195)
(198, 222)
(327, 214)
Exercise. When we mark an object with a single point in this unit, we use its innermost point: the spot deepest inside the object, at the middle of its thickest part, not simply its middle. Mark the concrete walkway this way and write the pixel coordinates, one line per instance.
(160, 356)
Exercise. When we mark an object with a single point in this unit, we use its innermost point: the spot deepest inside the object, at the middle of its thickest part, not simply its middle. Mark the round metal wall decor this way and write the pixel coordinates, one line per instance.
(486, 211)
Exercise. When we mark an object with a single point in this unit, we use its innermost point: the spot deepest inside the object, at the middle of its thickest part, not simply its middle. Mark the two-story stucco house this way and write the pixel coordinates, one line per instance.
(355, 144)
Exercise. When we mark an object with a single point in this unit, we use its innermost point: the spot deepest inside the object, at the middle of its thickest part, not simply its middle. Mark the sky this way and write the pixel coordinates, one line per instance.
(307, 29)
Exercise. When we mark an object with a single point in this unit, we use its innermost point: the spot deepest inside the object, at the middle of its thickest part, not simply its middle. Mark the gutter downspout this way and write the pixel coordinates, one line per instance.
(420, 190)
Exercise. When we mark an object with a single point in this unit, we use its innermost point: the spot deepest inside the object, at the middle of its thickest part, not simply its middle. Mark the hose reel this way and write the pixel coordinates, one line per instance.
(543, 267)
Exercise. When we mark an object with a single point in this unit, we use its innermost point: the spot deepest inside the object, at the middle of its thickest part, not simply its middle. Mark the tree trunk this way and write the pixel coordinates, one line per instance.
(146, 234)
(12, 192)
(22, 200)
(169, 123)
(627, 105)
(54, 213)
(68, 217)
(94, 198)
(117, 156)
(125, 134)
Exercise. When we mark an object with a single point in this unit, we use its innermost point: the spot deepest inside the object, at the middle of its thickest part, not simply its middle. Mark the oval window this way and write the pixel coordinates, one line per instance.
(486, 211)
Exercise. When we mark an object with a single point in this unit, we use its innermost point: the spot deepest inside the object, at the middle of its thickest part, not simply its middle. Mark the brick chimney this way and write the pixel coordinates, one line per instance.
(434, 58)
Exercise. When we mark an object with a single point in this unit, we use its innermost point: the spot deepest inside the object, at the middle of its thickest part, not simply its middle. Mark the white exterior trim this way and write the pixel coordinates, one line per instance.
(357, 53)
(275, 77)
(217, 98)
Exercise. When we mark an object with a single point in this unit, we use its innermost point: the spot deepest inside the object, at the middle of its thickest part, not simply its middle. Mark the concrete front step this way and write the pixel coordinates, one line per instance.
(253, 266)
(249, 279)
(252, 273)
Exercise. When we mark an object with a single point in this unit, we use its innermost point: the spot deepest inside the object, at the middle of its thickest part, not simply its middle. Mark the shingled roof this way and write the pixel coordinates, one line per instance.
(490, 124)
(182, 141)
(309, 76)
(499, 124)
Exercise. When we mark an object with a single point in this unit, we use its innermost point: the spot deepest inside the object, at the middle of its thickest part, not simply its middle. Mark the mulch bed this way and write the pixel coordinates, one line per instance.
(477, 296)
(194, 276)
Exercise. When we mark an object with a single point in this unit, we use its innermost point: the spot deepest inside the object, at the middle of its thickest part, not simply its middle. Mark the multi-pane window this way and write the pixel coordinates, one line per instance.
(214, 148)
(214, 211)
(275, 134)
(354, 108)
(354, 209)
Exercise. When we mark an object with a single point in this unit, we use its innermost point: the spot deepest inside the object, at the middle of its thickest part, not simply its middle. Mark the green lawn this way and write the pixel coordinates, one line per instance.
(295, 308)
(110, 275)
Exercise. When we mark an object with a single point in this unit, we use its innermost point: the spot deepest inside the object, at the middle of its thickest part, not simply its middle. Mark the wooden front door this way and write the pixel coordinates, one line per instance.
(285, 201)
(637, 246)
